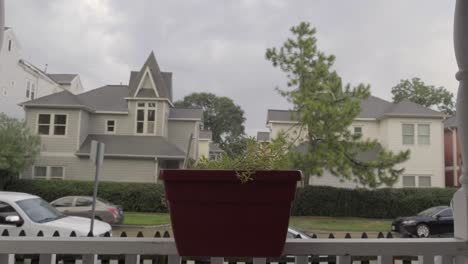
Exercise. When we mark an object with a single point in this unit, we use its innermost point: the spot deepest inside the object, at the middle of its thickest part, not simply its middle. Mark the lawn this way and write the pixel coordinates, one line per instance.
(305, 223)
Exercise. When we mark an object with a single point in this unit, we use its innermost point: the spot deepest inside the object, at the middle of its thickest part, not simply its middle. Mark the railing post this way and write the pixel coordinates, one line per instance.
(460, 199)
(7, 258)
(90, 259)
(47, 259)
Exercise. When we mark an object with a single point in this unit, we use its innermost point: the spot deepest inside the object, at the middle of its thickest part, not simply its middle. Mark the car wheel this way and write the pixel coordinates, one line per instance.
(422, 230)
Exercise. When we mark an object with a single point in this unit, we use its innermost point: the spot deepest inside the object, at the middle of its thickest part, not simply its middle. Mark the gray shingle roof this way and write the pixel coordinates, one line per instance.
(214, 148)
(160, 81)
(263, 136)
(206, 134)
(61, 99)
(186, 113)
(61, 78)
(107, 98)
(451, 121)
(135, 146)
(372, 107)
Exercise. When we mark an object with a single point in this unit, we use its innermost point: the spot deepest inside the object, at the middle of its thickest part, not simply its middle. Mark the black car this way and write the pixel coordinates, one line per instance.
(433, 221)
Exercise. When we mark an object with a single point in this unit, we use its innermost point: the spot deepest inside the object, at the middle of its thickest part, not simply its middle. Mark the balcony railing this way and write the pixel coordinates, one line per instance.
(163, 250)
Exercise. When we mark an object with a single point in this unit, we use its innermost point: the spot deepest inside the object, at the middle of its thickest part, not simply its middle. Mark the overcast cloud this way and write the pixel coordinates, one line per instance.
(219, 46)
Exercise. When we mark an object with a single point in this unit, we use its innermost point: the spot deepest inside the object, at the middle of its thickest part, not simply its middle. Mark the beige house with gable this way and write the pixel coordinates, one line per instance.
(396, 126)
(142, 130)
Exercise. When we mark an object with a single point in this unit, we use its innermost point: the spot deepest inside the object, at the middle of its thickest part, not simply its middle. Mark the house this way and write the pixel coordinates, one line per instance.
(21, 80)
(453, 158)
(138, 123)
(396, 126)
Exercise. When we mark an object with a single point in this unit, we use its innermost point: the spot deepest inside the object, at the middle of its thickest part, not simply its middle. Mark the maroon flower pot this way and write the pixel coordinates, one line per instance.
(214, 214)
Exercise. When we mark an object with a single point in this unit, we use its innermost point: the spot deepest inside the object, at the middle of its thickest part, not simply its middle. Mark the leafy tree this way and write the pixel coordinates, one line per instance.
(222, 116)
(426, 95)
(18, 148)
(325, 110)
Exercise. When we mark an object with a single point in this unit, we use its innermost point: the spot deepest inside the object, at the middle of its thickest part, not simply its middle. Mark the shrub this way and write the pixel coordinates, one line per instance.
(139, 197)
(380, 203)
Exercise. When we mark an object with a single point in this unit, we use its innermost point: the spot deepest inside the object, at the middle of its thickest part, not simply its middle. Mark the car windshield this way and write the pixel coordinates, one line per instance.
(431, 211)
(39, 211)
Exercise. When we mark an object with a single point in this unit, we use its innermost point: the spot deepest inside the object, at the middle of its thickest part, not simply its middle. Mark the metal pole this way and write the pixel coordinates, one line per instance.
(2, 21)
(99, 153)
(188, 151)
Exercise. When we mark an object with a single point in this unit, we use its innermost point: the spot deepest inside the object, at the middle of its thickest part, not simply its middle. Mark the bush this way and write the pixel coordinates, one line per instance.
(310, 200)
(138, 197)
(380, 203)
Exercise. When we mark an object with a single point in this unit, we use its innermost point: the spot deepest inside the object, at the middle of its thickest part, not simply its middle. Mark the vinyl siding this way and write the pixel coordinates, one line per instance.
(292, 133)
(203, 148)
(67, 143)
(179, 134)
(119, 170)
(84, 126)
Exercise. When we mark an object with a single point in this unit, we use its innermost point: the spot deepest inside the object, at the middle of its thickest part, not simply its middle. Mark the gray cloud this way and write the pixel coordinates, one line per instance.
(219, 46)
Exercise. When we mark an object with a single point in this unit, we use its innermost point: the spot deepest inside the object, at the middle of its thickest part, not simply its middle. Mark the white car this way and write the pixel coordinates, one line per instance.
(22, 211)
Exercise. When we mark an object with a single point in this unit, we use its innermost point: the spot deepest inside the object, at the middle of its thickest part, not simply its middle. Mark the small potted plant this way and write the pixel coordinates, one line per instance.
(234, 206)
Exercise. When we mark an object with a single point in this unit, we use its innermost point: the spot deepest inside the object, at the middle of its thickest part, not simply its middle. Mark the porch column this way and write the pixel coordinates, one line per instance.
(460, 200)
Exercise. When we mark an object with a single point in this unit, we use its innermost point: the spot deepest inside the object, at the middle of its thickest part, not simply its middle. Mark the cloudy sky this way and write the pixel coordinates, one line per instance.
(219, 46)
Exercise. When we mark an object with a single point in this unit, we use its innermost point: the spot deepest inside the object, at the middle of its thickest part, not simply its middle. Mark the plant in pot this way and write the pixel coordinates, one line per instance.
(234, 206)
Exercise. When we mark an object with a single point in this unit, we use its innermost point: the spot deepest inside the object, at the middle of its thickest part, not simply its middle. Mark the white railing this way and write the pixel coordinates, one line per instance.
(301, 251)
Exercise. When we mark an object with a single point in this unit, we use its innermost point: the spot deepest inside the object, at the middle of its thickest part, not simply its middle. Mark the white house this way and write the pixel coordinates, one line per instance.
(22, 81)
(397, 127)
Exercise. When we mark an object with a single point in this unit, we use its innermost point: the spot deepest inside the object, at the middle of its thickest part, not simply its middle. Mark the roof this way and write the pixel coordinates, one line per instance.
(372, 107)
(451, 121)
(214, 148)
(36, 70)
(163, 85)
(107, 98)
(186, 113)
(57, 100)
(62, 78)
(133, 146)
(12, 197)
(206, 134)
(263, 136)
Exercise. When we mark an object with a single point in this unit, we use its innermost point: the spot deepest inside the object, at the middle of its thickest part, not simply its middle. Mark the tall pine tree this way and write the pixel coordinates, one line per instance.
(326, 108)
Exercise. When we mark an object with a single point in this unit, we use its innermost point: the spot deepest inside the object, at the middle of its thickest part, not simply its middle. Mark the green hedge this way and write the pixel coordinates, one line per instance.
(310, 201)
(138, 197)
(380, 203)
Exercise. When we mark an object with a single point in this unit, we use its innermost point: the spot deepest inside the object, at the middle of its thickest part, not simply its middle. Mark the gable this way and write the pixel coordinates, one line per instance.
(147, 86)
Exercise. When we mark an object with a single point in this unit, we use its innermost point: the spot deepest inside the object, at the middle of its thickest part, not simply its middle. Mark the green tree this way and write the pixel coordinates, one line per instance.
(426, 95)
(18, 148)
(222, 116)
(325, 109)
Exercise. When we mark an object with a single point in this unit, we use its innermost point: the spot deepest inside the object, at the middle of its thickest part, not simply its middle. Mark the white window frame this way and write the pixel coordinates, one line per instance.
(145, 121)
(417, 181)
(48, 173)
(107, 126)
(28, 88)
(413, 135)
(4, 91)
(359, 127)
(51, 125)
(429, 136)
(33, 91)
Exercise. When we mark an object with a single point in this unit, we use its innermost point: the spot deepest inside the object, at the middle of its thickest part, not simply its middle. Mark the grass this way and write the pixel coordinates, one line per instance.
(305, 223)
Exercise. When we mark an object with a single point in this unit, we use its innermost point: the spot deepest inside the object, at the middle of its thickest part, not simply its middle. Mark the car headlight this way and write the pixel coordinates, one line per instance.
(408, 222)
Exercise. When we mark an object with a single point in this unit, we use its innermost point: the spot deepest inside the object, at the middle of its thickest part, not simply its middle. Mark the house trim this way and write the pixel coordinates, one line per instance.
(146, 73)
(51, 124)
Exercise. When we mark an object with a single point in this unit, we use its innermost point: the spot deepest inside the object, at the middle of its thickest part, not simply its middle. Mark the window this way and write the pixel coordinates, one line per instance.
(28, 89)
(446, 213)
(40, 172)
(64, 202)
(5, 91)
(409, 181)
(110, 126)
(33, 91)
(425, 181)
(424, 133)
(358, 130)
(408, 134)
(6, 210)
(52, 124)
(49, 172)
(146, 118)
(9, 45)
(84, 202)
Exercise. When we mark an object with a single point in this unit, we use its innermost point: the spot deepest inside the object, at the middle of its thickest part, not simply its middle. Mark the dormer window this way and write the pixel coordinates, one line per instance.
(146, 118)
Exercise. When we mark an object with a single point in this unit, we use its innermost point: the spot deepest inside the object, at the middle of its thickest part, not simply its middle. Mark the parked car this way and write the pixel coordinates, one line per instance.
(82, 206)
(293, 233)
(31, 214)
(433, 221)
